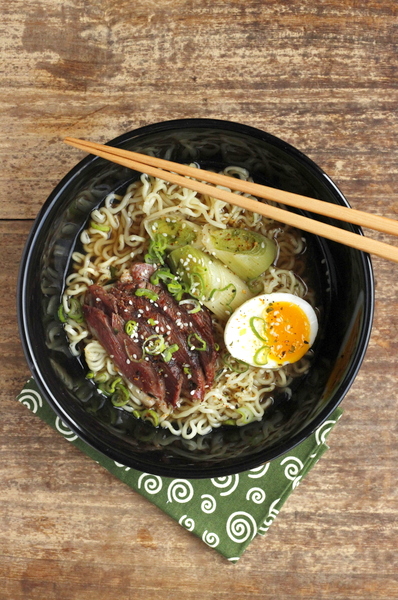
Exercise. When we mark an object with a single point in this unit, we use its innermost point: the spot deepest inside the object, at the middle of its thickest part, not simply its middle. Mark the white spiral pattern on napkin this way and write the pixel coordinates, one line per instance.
(210, 538)
(187, 522)
(31, 399)
(293, 467)
(64, 429)
(322, 432)
(241, 526)
(256, 495)
(231, 482)
(258, 471)
(209, 504)
(296, 482)
(272, 513)
(152, 484)
(121, 466)
(180, 490)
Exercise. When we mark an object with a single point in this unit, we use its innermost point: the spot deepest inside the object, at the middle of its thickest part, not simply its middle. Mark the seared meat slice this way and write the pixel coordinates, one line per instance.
(139, 309)
(101, 299)
(197, 323)
(188, 370)
(203, 327)
(170, 371)
(122, 349)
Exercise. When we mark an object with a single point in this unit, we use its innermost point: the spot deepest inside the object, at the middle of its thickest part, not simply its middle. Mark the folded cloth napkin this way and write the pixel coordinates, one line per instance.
(225, 512)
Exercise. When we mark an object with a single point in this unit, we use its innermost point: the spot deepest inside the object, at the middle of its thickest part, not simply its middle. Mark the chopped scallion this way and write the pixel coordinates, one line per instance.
(62, 316)
(258, 327)
(161, 274)
(147, 294)
(154, 345)
(261, 356)
(100, 227)
(150, 415)
(167, 354)
(121, 396)
(131, 327)
(191, 302)
(193, 338)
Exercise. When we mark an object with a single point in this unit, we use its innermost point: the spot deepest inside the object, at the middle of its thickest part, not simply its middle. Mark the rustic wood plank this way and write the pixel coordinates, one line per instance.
(322, 76)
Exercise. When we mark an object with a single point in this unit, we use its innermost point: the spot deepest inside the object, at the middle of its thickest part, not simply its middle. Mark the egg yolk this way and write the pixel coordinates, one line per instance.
(288, 331)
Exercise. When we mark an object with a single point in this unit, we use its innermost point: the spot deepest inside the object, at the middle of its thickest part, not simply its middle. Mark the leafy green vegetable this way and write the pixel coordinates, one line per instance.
(209, 280)
(246, 253)
(174, 231)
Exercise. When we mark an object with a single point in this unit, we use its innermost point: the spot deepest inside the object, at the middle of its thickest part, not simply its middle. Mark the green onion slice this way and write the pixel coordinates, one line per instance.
(75, 312)
(224, 289)
(154, 345)
(131, 327)
(162, 274)
(261, 356)
(121, 396)
(258, 327)
(99, 226)
(98, 377)
(62, 316)
(176, 289)
(246, 416)
(147, 294)
(109, 387)
(168, 353)
(156, 250)
(150, 415)
(193, 302)
(193, 338)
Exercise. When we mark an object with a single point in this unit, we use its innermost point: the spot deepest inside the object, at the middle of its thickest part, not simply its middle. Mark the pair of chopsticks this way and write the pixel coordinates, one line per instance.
(186, 176)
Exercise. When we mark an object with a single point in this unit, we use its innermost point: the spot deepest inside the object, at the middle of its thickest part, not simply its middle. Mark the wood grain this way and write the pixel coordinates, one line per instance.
(321, 75)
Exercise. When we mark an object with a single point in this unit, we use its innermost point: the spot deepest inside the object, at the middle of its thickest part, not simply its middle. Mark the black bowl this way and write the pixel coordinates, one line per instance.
(343, 275)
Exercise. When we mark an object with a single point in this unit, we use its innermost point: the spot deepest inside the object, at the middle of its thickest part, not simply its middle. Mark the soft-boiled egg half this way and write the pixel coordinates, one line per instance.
(271, 330)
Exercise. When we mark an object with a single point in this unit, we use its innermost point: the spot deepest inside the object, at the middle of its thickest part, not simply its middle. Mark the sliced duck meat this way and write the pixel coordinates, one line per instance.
(196, 326)
(203, 327)
(138, 308)
(182, 362)
(122, 349)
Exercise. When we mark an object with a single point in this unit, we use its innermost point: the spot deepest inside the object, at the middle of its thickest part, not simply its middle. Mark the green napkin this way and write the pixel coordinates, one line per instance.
(225, 512)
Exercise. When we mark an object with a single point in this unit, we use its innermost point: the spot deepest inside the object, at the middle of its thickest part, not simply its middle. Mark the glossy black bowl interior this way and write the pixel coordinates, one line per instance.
(343, 276)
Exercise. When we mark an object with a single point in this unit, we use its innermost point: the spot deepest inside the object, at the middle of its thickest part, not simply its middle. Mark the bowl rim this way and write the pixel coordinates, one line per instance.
(189, 471)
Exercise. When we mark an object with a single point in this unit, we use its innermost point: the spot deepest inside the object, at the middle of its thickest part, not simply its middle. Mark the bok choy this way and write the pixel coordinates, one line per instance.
(209, 280)
(246, 253)
(173, 231)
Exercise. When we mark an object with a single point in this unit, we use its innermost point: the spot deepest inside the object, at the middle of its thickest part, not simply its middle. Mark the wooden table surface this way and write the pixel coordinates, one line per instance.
(320, 74)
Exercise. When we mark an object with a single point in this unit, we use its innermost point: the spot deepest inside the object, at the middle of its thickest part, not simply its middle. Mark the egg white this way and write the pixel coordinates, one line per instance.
(240, 340)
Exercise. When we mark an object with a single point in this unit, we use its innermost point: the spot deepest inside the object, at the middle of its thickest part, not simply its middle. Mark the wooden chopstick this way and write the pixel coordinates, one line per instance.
(170, 171)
